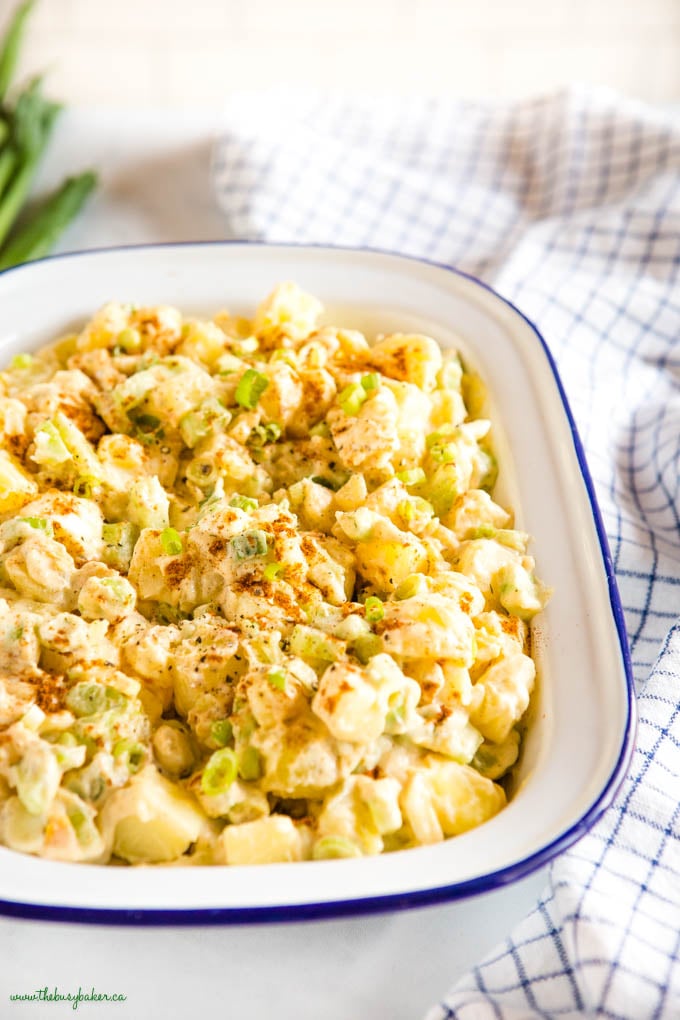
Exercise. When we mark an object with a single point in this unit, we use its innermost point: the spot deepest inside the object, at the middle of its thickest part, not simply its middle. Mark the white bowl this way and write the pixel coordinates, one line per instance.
(581, 737)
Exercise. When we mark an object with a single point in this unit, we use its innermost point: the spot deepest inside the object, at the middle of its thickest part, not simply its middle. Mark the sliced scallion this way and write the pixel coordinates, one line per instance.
(375, 609)
(220, 772)
(251, 386)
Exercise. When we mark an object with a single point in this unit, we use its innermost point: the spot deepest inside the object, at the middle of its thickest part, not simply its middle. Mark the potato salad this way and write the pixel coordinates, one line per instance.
(257, 601)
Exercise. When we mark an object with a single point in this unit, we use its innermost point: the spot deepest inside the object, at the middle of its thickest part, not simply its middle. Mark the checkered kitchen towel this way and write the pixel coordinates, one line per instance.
(570, 206)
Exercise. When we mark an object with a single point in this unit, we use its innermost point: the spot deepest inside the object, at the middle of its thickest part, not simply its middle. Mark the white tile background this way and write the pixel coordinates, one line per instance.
(175, 53)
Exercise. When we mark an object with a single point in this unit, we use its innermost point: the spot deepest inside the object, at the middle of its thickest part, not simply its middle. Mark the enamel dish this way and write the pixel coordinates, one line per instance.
(582, 722)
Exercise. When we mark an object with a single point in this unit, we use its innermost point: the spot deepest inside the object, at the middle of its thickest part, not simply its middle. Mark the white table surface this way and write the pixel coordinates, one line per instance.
(155, 186)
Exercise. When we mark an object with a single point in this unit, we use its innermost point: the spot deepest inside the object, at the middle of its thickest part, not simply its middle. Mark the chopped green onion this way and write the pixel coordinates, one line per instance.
(129, 340)
(251, 386)
(40, 524)
(250, 764)
(38, 235)
(351, 398)
(243, 502)
(200, 472)
(220, 772)
(22, 362)
(321, 429)
(222, 732)
(249, 544)
(132, 752)
(329, 847)
(277, 678)
(370, 381)
(170, 614)
(260, 435)
(414, 476)
(272, 570)
(85, 485)
(146, 423)
(171, 542)
(327, 483)
(374, 609)
(10, 46)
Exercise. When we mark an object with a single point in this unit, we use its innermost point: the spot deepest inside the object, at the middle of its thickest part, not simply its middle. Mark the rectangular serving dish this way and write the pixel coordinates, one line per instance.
(583, 719)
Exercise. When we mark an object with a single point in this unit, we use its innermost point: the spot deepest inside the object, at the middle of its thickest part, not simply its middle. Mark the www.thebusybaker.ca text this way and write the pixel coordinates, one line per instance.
(75, 998)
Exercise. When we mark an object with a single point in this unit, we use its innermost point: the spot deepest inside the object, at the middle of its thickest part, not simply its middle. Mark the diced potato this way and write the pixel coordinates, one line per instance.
(270, 840)
(507, 686)
(16, 486)
(151, 820)
(410, 357)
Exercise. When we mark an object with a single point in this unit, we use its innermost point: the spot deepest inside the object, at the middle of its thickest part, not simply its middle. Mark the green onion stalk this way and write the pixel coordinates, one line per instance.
(26, 124)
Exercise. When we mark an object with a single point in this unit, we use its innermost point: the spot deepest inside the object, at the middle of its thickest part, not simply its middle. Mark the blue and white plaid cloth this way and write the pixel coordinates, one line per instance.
(570, 207)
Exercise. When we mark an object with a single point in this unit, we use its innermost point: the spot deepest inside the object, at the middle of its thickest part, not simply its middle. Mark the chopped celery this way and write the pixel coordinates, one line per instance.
(171, 542)
(351, 398)
(91, 698)
(414, 584)
(50, 448)
(119, 544)
(250, 764)
(331, 847)
(277, 678)
(414, 476)
(198, 424)
(243, 502)
(312, 646)
(272, 571)
(249, 544)
(365, 647)
(37, 779)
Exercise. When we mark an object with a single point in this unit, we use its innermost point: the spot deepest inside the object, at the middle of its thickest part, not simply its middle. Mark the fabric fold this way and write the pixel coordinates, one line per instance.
(569, 205)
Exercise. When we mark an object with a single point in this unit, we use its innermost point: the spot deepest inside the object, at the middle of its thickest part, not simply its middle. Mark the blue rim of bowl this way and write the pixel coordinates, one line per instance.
(396, 901)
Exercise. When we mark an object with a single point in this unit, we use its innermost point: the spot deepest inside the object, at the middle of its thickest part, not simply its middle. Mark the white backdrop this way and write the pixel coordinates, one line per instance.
(178, 53)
